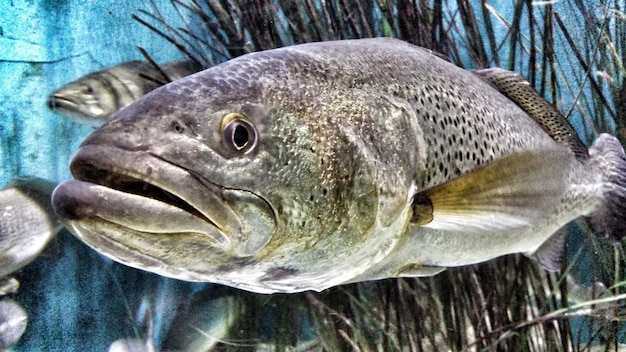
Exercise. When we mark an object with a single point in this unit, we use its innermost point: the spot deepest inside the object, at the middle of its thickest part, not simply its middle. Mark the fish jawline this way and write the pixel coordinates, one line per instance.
(111, 240)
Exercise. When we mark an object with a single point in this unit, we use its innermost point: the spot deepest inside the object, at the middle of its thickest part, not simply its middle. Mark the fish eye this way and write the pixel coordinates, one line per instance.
(238, 133)
(87, 89)
(177, 127)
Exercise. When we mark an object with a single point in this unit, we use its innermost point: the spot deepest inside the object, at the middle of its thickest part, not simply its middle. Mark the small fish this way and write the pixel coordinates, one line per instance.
(144, 320)
(95, 97)
(131, 345)
(13, 320)
(8, 285)
(203, 321)
(320, 164)
(27, 222)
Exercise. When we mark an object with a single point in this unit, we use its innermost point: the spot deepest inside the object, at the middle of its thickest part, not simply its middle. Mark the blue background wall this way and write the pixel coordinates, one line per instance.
(43, 45)
(76, 300)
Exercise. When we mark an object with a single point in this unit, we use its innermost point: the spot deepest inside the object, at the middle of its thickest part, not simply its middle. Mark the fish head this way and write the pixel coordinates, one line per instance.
(88, 100)
(227, 176)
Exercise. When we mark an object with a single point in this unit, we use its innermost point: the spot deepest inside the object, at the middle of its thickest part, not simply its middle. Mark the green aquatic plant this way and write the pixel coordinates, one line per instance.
(507, 304)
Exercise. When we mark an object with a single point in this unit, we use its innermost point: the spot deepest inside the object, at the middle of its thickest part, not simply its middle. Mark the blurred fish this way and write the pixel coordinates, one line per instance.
(320, 164)
(199, 324)
(95, 97)
(144, 318)
(8, 285)
(202, 322)
(27, 222)
(13, 320)
(313, 345)
(131, 345)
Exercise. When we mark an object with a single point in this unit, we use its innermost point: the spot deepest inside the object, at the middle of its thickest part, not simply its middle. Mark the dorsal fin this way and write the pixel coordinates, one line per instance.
(518, 90)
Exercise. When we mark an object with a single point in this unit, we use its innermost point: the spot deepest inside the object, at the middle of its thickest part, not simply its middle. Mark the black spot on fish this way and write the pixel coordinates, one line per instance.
(279, 273)
(235, 263)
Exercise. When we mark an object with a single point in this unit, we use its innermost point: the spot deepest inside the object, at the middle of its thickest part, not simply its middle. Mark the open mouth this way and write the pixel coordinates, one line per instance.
(143, 193)
(126, 183)
(150, 213)
(59, 102)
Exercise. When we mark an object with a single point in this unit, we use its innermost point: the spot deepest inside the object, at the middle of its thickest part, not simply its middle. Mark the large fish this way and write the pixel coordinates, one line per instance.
(315, 165)
(93, 98)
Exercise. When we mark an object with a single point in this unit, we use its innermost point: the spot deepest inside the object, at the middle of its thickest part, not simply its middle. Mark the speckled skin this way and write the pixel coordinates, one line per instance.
(516, 88)
(347, 132)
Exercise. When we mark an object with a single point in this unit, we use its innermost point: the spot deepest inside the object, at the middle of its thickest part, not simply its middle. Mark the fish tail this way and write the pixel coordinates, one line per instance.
(609, 220)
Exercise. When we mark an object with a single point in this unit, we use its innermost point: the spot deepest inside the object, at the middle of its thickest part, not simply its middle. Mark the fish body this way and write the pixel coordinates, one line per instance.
(315, 165)
(93, 98)
(27, 222)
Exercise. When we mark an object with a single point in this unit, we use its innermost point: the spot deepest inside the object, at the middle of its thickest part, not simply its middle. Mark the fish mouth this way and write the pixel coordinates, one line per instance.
(126, 203)
(86, 111)
(60, 102)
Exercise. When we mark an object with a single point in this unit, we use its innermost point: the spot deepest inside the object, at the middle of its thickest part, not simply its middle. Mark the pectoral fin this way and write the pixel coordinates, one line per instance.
(509, 193)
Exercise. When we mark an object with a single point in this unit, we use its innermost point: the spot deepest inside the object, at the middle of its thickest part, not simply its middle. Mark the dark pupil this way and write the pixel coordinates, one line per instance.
(240, 136)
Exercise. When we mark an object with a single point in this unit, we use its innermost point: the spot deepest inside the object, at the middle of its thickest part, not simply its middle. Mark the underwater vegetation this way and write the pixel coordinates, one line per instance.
(505, 304)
